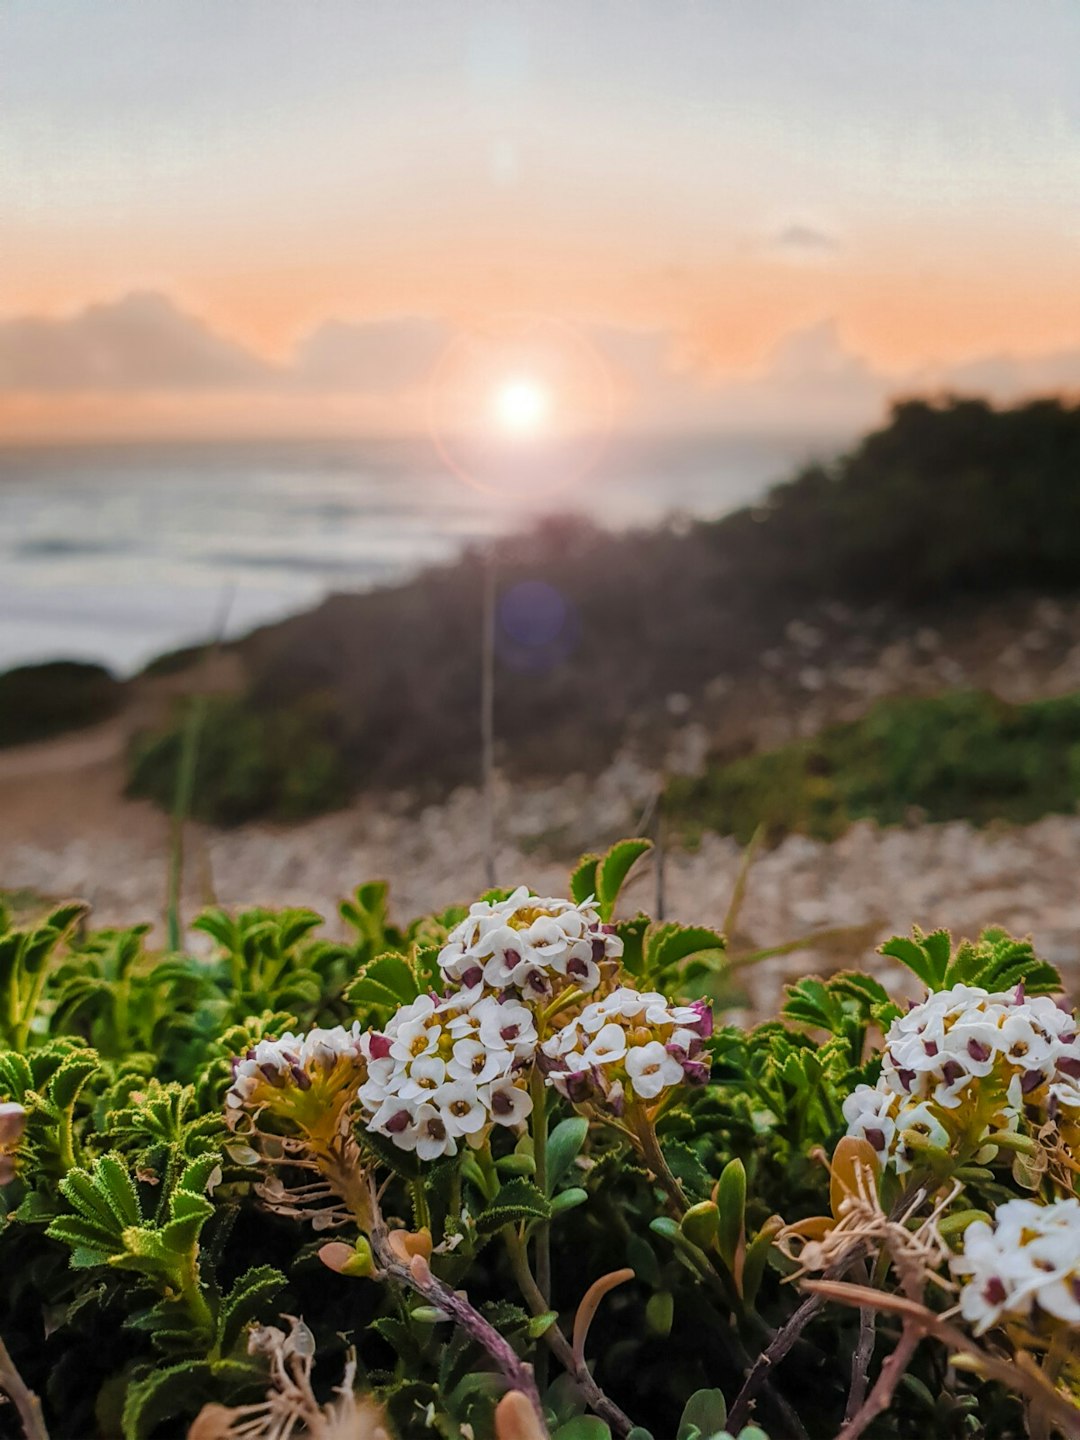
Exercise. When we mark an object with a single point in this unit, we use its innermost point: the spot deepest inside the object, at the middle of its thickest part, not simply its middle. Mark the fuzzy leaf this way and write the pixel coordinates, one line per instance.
(583, 879)
(517, 1201)
(613, 870)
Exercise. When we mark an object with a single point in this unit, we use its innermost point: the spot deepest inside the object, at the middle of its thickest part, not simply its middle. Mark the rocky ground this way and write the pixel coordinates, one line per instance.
(67, 833)
(67, 830)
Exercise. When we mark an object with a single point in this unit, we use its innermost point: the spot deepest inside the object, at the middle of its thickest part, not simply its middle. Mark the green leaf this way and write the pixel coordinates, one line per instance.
(920, 959)
(731, 1204)
(162, 1395)
(583, 879)
(74, 1072)
(686, 1166)
(704, 1416)
(613, 870)
(568, 1200)
(583, 1427)
(659, 1313)
(668, 946)
(517, 1201)
(564, 1146)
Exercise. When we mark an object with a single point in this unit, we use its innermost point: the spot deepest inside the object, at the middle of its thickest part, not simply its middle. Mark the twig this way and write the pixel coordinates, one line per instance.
(1015, 1376)
(561, 1348)
(416, 1274)
(25, 1401)
(892, 1371)
(860, 1360)
(788, 1334)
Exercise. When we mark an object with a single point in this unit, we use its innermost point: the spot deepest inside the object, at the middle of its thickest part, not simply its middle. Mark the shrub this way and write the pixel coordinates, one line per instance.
(517, 1186)
(279, 763)
(960, 756)
(37, 701)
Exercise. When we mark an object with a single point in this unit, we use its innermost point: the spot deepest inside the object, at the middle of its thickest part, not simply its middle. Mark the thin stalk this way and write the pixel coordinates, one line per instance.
(421, 1208)
(543, 1230)
(557, 1342)
(25, 1401)
(185, 790)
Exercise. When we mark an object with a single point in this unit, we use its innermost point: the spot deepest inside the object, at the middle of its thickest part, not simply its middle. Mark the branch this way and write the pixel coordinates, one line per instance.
(561, 1348)
(416, 1274)
(25, 1401)
(860, 1360)
(1029, 1381)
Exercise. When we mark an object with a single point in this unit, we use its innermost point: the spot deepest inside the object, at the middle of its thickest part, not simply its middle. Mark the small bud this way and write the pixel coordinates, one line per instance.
(406, 1243)
(355, 1260)
(701, 1223)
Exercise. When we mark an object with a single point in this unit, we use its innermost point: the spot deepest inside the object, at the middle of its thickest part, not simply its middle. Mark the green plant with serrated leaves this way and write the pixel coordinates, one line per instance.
(632, 1253)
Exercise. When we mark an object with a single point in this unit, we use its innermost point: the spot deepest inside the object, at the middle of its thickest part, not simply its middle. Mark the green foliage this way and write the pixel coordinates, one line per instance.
(995, 961)
(959, 756)
(149, 1239)
(283, 763)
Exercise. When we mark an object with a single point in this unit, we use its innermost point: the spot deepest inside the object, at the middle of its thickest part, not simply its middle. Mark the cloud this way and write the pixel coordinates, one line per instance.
(140, 342)
(804, 242)
(143, 350)
(376, 357)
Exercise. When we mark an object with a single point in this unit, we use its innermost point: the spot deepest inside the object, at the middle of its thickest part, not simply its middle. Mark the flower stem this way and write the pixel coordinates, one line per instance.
(543, 1230)
(557, 1342)
(421, 1208)
(25, 1401)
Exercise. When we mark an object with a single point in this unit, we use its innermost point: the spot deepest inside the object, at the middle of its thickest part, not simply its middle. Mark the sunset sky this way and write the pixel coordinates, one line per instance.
(268, 216)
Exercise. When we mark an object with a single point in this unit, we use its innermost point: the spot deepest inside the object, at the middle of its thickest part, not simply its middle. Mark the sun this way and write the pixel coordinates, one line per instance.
(521, 406)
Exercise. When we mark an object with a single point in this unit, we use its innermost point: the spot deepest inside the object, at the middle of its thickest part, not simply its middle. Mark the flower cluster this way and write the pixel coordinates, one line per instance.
(630, 1044)
(447, 1070)
(309, 1079)
(1025, 1267)
(963, 1064)
(530, 947)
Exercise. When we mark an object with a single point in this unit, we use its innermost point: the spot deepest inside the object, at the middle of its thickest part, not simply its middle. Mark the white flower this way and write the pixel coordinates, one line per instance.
(448, 1070)
(463, 1111)
(508, 1103)
(602, 1052)
(331, 1058)
(917, 1123)
(870, 1115)
(433, 1137)
(1027, 1262)
(506, 1025)
(424, 1076)
(942, 1051)
(651, 1069)
(473, 1060)
(530, 944)
(608, 1045)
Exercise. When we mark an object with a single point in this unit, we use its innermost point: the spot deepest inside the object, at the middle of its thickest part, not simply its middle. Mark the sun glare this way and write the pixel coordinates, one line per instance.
(522, 406)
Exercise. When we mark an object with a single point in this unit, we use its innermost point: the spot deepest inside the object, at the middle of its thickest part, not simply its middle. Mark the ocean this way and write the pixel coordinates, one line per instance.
(120, 553)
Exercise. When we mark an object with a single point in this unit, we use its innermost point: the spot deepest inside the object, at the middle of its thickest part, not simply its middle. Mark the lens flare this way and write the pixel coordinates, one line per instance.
(522, 406)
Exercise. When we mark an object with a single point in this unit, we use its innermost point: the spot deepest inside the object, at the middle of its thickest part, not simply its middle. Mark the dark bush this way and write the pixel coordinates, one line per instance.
(37, 701)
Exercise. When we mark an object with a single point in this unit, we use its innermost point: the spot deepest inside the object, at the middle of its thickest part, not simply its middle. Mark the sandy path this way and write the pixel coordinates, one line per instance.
(65, 829)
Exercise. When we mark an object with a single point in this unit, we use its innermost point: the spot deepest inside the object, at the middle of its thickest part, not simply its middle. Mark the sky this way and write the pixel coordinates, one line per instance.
(267, 216)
